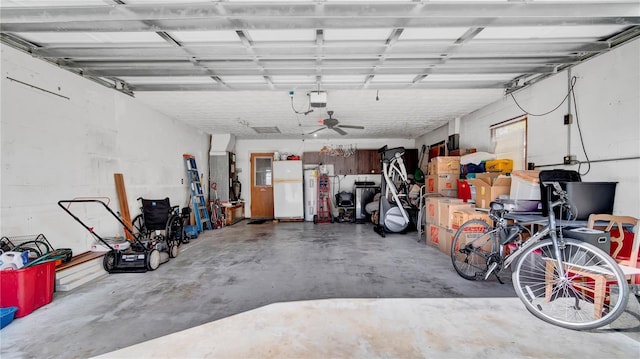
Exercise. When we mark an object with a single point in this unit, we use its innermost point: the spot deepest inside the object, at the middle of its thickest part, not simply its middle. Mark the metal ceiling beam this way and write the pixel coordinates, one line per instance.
(326, 70)
(305, 15)
(218, 52)
(325, 86)
(421, 62)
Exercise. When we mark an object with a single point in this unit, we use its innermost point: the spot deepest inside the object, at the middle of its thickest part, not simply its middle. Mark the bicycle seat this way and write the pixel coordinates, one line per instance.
(496, 206)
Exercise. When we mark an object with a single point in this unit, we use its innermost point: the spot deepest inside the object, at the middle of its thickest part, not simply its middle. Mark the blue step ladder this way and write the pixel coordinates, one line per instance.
(198, 202)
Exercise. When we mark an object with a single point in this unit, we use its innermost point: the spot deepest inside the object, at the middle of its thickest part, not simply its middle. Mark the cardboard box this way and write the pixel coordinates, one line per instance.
(445, 165)
(426, 232)
(431, 168)
(467, 237)
(488, 188)
(432, 205)
(442, 182)
(446, 237)
(446, 209)
(472, 233)
(487, 176)
(451, 193)
(432, 235)
(459, 217)
(440, 237)
(444, 185)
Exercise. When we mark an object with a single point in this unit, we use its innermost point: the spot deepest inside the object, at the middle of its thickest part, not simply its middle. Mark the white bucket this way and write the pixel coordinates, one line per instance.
(13, 260)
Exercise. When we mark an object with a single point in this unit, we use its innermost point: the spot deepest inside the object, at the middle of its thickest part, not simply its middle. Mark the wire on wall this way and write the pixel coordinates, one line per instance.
(584, 150)
(573, 83)
(571, 93)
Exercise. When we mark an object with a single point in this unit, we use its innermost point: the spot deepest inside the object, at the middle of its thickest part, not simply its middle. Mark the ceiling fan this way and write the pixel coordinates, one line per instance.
(334, 124)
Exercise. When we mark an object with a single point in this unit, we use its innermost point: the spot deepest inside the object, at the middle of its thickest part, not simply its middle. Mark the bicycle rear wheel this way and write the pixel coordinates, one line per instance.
(592, 293)
(471, 246)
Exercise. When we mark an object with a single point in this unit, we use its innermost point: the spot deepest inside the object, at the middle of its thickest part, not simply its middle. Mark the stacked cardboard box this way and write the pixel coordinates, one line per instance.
(461, 216)
(444, 216)
(443, 173)
(444, 184)
(436, 235)
(440, 238)
(440, 212)
(490, 186)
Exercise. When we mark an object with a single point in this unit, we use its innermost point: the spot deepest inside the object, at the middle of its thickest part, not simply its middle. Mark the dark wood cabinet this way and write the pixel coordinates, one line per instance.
(341, 165)
(362, 162)
(311, 158)
(368, 162)
(345, 165)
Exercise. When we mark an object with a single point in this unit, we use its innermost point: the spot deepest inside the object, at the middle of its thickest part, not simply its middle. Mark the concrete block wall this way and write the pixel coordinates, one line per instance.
(64, 137)
(608, 99)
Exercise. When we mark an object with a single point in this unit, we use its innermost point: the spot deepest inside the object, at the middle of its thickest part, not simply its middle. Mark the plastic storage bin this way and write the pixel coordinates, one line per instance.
(525, 185)
(28, 288)
(551, 176)
(600, 239)
(591, 197)
(503, 165)
(6, 316)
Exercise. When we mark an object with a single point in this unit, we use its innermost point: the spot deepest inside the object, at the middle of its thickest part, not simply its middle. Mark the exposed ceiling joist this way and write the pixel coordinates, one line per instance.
(351, 50)
(231, 16)
(285, 86)
(220, 63)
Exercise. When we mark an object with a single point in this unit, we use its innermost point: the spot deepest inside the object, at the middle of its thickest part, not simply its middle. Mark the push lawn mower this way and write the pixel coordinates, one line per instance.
(123, 256)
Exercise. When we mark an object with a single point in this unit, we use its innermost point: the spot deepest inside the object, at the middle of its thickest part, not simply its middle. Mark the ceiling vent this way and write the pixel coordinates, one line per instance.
(273, 129)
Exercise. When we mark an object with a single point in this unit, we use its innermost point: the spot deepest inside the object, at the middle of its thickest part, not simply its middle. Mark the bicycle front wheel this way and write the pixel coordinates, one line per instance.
(591, 293)
(472, 245)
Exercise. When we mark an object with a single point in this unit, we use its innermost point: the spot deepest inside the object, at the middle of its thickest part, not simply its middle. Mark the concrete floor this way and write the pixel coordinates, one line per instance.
(244, 267)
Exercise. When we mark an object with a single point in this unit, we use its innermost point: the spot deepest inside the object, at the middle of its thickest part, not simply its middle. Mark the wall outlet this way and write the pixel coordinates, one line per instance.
(570, 160)
(568, 119)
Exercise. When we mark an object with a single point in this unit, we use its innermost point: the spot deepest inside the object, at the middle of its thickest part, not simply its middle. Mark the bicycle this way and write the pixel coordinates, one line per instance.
(562, 281)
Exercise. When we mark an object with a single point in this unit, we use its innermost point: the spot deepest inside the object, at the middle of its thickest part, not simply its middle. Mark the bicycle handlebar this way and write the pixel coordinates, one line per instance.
(563, 199)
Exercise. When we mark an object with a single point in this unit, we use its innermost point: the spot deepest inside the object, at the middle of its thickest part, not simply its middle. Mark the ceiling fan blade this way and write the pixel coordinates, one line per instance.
(338, 130)
(318, 130)
(356, 127)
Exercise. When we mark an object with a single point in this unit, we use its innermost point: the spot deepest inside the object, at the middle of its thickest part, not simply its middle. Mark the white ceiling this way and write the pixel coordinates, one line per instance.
(228, 66)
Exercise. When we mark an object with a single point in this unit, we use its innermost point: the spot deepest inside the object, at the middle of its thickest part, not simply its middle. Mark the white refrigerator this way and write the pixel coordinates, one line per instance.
(288, 202)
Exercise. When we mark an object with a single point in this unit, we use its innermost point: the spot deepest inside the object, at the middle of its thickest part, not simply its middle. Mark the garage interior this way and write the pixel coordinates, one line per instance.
(93, 88)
